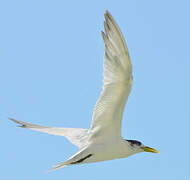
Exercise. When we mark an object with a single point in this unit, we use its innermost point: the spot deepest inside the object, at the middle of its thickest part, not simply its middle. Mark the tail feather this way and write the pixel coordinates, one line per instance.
(79, 158)
(60, 165)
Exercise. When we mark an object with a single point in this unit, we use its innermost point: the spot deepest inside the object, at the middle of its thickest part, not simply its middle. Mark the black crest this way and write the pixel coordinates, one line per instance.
(134, 142)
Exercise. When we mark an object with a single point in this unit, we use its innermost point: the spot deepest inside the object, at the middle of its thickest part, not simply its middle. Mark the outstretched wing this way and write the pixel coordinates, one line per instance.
(117, 82)
(76, 136)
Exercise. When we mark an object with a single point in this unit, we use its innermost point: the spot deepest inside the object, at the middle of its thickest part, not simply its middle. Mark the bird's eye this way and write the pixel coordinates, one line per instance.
(134, 142)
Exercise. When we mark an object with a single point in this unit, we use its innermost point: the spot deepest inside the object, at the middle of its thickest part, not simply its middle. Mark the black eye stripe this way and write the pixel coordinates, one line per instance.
(134, 142)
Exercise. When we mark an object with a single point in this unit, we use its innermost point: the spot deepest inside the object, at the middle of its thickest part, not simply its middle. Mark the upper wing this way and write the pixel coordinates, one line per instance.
(76, 136)
(117, 82)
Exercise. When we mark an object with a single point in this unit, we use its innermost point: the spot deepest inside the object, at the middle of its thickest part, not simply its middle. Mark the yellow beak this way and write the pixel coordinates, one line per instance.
(148, 149)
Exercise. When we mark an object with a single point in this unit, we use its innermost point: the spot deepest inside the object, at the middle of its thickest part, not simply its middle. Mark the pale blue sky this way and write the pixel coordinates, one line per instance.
(51, 59)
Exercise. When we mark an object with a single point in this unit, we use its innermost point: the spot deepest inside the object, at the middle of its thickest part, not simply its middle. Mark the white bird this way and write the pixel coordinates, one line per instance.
(103, 140)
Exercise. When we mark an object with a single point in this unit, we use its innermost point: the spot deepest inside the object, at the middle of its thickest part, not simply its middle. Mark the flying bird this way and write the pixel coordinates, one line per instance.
(103, 141)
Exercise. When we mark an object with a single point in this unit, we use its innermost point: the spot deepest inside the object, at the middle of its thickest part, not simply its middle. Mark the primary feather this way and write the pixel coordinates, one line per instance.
(117, 82)
(76, 136)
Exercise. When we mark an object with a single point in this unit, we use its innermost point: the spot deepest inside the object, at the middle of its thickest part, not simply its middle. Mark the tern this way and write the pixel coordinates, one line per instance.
(103, 141)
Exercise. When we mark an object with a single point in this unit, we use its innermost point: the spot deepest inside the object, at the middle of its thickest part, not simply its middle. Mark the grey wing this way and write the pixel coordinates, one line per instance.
(76, 136)
(117, 82)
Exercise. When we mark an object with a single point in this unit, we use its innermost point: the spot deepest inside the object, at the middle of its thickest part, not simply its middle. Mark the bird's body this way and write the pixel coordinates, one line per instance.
(90, 150)
(105, 151)
(103, 140)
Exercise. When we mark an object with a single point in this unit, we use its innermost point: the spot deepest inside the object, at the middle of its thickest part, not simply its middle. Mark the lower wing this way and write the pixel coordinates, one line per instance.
(76, 136)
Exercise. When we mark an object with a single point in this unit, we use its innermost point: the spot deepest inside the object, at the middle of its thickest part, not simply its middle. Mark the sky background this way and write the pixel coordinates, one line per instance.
(51, 62)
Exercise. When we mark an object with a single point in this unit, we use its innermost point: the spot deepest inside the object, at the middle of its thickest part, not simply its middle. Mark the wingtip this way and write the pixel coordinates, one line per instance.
(17, 122)
(12, 119)
(107, 12)
(49, 170)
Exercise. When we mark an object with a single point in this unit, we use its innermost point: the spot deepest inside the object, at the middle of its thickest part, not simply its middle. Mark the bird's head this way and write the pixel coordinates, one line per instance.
(139, 147)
